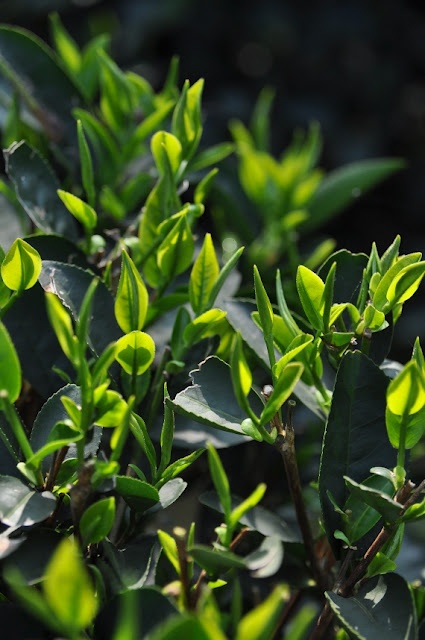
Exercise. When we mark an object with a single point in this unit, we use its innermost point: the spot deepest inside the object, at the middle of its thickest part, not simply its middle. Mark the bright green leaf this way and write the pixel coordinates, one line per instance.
(310, 290)
(21, 266)
(68, 588)
(83, 212)
(283, 388)
(10, 368)
(97, 521)
(135, 352)
(131, 301)
(203, 276)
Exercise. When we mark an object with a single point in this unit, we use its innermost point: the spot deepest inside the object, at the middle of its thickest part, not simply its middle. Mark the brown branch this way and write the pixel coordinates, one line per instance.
(285, 444)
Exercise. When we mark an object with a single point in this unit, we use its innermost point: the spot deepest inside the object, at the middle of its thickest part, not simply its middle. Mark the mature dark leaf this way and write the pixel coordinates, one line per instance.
(210, 400)
(383, 608)
(55, 247)
(36, 185)
(266, 560)
(139, 495)
(342, 186)
(355, 438)
(22, 507)
(215, 561)
(152, 607)
(7, 460)
(34, 554)
(348, 276)
(259, 519)
(70, 284)
(52, 412)
(37, 346)
(37, 76)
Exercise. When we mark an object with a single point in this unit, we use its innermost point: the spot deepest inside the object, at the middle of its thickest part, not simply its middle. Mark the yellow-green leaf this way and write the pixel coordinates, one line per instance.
(83, 212)
(406, 393)
(203, 276)
(21, 266)
(135, 352)
(10, 368)
(131, 302)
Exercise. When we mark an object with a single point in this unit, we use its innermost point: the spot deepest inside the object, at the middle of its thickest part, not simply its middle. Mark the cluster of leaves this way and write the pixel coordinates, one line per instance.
(110, 298)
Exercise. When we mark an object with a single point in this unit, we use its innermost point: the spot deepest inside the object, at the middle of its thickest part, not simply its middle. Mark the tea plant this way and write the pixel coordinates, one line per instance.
(113, 298)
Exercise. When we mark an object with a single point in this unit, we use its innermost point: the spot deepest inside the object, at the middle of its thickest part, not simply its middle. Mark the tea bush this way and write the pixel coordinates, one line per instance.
(129, 355)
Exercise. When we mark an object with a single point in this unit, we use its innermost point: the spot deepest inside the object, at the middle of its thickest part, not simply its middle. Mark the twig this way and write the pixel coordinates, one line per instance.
(285, 444)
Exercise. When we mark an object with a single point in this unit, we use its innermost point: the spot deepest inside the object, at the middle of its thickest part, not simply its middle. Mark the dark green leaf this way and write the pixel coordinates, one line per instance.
(36, 187)
(139, 495)
(52, 412)
(384, 504)
(22, 507)
(343, 185)
(97, 520)
(70, 284)
(383, 608)
(215, 562)
(355, 437)
(37, 76)
(210, 399)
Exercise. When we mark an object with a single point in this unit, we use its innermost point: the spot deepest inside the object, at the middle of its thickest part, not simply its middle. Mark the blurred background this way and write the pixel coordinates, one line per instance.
(357, 67)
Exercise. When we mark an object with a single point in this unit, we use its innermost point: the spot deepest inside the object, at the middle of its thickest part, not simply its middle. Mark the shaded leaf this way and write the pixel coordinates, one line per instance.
(22, 507)
(382, 608)
(36, 187)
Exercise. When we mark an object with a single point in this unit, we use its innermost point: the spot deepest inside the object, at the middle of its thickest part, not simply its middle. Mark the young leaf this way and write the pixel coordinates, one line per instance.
(135, 352)
(216, 561)
(203, 276)
(248, 504)
(83, 212)
(176, 250)
(131, 301)
(220, 481)
(139, 495)
(406, 392)
(167, 434)
(283, 388)
(241, 374)
(68, 589)
(166, 149)
(261, 622)
(310, 290)
(169, 547)
(21, 266)
(10, 368)
(380, 295)
(97, 521)
(87, 176)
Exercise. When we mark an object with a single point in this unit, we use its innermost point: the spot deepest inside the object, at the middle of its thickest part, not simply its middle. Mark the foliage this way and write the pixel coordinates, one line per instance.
(113, 296)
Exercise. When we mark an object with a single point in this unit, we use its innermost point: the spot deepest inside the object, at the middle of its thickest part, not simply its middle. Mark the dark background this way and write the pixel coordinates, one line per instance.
(357, 67)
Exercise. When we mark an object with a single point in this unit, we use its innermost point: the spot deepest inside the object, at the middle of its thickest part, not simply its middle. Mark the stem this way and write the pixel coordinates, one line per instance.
(407, 497)
(180, 536)
(285, 444)
(18, 429)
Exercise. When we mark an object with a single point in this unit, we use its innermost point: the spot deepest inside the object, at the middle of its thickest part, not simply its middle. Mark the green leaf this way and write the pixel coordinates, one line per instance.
(169, 547)
(380, 295)
(186, 122)
(383, 607)
(111, 408)
(187, 627)
(405, 284)
(261, 622)
(61, 323)
(220, 480)
(140, 433)
(296, 346)
(21, 506)
(210, 400)
(342, 186)
(355, 435)
(36, 188)
(215, 562)
(135, 352)
(258, 518)
(131, 301)
(66, 47)
(167, 151)
(249, 503)
(70, 284)
(83, 212)
(68, 589)
(203, 276)
(62, 435)
(139, 495)
(406, 392)
(176, 250)
(405, 430)
(21, 266)
(97, 521)
(263, 304)
(384, 504)
(167, 434)
(37, 76)
(10, 368)
(240, 372)
(207, 324)
(361, 515)
(310, 290)
(204, 159)
(224, 274)
(283, 388)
